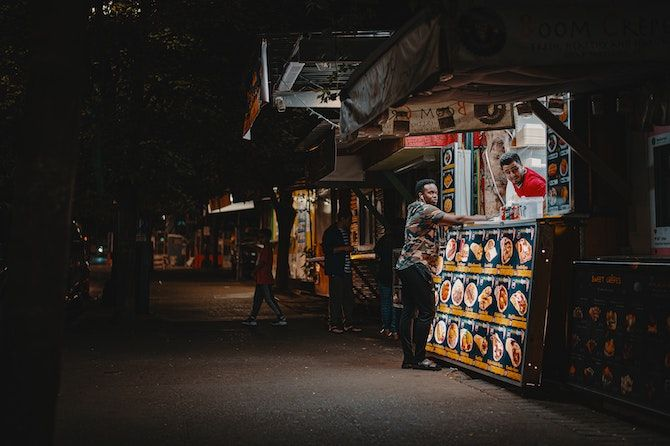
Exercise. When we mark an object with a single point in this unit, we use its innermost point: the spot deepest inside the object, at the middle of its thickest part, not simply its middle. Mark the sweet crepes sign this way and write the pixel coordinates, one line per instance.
(444, 117)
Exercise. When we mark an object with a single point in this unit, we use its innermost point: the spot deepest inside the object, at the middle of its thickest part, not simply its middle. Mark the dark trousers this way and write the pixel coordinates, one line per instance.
(341, 301)
(417, 294)
(264, 292)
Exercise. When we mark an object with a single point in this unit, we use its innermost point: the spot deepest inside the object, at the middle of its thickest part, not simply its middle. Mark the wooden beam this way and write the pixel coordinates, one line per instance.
(368, 204)
(407, 196)
(583, 151)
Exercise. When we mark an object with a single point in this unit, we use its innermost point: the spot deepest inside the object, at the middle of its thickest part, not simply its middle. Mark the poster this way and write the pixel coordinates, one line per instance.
(485, 295)
(620, 332)
(559, 169)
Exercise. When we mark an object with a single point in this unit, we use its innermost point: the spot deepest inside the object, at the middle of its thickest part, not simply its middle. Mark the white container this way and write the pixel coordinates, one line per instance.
(532, 207)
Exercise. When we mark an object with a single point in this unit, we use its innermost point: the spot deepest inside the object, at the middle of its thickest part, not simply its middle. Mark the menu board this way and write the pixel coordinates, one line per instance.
(448, 178)
(484, 298)
(559, 167)
(620, 332)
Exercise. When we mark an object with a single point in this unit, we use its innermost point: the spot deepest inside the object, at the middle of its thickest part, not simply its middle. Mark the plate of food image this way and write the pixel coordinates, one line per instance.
(440, 332)
(452, 335)
(466, 340)
(451, 249)
(519, 302)
(502, 299)
(552, 142)
(470, 296)
(457, 292)
(498, 347)
(490, 250)
(445, 291)
(513, 351)
(482, 344)
(525, 250)
(506, 250)
(563, 167)
(476, 250)
(485, 299)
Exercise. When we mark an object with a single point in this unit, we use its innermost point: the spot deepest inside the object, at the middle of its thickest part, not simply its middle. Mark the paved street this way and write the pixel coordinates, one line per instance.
(192, 374)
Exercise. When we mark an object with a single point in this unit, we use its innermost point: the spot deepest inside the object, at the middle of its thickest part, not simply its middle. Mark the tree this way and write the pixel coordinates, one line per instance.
(32, 306)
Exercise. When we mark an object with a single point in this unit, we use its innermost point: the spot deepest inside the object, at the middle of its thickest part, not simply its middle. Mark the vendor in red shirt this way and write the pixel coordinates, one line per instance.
(526, 182)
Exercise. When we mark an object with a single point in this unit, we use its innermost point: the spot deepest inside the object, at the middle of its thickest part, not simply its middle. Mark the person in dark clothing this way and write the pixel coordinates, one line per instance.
(336, 248)
(384, 247)
(264, 281)
(416, 265)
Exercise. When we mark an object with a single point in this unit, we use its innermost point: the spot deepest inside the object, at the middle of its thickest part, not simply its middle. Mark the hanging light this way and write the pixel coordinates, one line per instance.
(556, 105)
(524, 109)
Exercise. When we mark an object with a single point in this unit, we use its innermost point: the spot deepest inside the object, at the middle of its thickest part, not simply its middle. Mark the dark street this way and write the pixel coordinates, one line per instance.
(192, 374)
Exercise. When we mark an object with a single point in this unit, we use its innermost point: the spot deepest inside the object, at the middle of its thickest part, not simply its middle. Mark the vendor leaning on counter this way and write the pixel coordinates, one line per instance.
(526, 182)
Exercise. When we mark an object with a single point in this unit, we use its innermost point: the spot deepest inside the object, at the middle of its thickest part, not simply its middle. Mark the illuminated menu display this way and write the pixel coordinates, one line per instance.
(620, 332)
(483, 299)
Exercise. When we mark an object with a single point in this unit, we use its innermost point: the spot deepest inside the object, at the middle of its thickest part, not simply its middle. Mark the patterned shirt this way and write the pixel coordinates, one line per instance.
(347, 258)
(421, 244)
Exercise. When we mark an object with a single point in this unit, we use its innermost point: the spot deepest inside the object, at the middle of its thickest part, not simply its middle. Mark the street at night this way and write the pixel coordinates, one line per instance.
(192, 374)
(385, 222)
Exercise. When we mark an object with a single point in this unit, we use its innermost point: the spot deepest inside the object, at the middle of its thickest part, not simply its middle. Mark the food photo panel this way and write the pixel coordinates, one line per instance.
(480, 337)
(519, 298)
(452, 333)
(485, 300)
(497, 343)
(451, 247)
(475, 240)
(490, 243)
(471, 292)
(457, 290)
(524, 244)
(508, 257)
(466, 337)
(501, 295)
(514, 343)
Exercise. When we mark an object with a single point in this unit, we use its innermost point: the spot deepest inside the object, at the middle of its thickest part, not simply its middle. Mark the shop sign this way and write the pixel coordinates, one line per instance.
(659, 154)
(445, 117)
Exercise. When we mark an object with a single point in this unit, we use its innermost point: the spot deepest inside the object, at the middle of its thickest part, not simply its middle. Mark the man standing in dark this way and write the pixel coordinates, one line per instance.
(416, 266)
(393, 238)
(336, 248)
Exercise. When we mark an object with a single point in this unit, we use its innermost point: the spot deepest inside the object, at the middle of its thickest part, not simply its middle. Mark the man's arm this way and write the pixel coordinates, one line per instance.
(452, 220)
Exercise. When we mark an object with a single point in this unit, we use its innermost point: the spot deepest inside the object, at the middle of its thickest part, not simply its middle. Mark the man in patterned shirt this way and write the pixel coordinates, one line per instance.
(416, 265)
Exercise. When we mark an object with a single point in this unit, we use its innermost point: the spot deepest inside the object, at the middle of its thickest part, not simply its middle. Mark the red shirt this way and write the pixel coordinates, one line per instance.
(533, 185)
(263, 271)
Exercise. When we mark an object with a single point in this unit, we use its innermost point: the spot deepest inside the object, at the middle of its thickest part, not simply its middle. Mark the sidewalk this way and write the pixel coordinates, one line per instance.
(184, 377)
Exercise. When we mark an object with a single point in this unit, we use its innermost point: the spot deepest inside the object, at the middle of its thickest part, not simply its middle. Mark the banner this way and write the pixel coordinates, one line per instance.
(445, 117)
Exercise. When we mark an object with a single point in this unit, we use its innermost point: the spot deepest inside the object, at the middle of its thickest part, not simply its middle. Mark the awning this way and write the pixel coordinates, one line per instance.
(484, 52)
(234, 207)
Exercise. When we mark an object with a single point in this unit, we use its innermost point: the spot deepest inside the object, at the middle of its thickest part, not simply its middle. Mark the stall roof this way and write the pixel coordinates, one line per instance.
(486, 52)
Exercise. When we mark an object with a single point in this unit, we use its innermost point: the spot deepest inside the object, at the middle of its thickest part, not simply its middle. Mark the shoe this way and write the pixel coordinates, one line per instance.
(395, 336)
(280, 322)
(250, 322)
(407, 365)
(384, 332)
(336, 330)
(352, 329)
(427, 364)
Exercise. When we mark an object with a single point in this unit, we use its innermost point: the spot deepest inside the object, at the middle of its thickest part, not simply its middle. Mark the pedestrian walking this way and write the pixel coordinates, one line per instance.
(393, 238)
(337, 249)
(416, 265)
(264, 280)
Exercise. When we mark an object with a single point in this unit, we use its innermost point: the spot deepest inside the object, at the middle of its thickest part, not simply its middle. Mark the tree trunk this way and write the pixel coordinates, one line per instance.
(33, 305)
(285, 217)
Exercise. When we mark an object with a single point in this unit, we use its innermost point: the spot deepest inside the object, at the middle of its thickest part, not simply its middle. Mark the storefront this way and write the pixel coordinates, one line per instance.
(508, 293)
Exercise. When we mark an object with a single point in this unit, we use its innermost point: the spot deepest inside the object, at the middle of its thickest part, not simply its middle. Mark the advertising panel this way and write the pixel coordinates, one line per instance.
(620, 332)
(485, 297)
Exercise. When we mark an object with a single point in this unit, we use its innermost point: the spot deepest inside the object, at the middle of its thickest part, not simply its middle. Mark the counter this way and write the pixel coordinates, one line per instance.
(492, 299)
